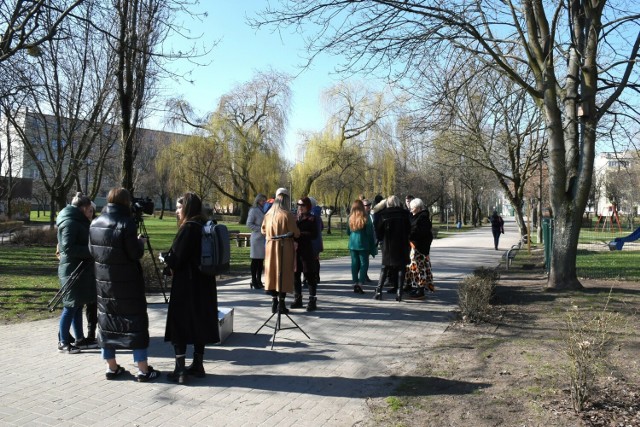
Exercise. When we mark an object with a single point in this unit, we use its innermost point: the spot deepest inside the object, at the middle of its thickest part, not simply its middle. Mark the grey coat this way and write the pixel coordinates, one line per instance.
(254, 222)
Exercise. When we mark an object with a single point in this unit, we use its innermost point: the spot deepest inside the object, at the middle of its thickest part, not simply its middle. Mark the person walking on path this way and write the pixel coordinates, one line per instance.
(497, 227)
(192, 317)
(361, 244)
(393, 228)
(280, 253)
(256, 252)
(418, 274)
(305, 256)
(73, 247)
(123, 322)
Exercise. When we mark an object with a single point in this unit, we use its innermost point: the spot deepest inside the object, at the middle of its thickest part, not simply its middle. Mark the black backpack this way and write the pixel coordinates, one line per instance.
(216, 248)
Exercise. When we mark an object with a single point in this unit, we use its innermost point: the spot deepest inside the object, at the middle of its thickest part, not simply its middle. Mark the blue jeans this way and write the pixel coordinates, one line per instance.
(71, 316)
(359, 266)
(139, 354)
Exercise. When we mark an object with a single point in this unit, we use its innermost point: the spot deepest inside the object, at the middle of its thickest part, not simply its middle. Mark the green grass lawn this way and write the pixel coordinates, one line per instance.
(608, 265)
(29, 274)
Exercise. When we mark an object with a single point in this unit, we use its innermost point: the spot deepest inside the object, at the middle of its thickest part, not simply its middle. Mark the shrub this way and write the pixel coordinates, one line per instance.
(474, 294)
(588, 336)
(36, 236)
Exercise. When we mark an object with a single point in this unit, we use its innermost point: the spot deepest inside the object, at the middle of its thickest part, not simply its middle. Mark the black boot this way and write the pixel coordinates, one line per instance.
(179, 374)
(311, 305)
(274, 304)
(383, 275)
(282, 308)
(400, 285)
(196, 368)
(297, 301)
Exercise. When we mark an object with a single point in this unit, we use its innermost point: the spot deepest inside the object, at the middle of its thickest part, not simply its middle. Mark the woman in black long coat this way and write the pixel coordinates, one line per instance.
(392, 228)
(192, 317)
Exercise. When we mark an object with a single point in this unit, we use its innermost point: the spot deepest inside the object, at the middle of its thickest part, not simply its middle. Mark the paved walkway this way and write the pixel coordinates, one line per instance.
(359, 348)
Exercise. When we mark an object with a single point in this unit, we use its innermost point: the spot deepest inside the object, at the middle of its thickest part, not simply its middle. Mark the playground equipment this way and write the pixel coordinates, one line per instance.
(607, 221)
(617, 243)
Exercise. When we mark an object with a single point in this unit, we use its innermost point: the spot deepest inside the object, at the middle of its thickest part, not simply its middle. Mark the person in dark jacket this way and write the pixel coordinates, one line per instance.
(73, 237)
(497, 227)
(192, 317)
(418, 272)
(123, 322)
(392, 228)
(305, 256)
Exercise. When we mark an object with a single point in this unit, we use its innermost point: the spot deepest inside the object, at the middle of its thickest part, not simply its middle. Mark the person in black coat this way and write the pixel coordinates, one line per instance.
(123, 322)
(305, 256)
(497, 227)
(192, 317)
(392, 228)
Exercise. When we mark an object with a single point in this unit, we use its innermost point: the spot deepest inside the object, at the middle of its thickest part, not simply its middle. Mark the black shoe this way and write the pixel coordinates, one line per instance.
(358, 289)
(196, 368)
(68, 348)
(112, 375)
(378, 294)
(311, 305)
(274, 305)
(418, 294)
(179, 374)
(151, 375)
(86, 343)
(297, 302)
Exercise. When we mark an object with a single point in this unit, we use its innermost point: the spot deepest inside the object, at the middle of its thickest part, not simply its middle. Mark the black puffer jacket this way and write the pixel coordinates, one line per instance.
(393, 228)
(421, 235)
(122, 306)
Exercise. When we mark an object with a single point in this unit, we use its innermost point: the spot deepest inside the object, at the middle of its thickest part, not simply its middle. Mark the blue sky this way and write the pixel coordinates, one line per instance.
(240, 52)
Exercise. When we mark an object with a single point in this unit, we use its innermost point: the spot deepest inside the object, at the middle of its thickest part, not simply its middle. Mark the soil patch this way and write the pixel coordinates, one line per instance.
(513, 369)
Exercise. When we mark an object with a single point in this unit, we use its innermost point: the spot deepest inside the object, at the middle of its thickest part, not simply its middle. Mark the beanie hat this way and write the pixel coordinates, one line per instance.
(282, 190)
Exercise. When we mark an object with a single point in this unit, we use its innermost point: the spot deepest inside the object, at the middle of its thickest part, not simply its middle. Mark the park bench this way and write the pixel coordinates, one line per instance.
(242, 239)
(511, 253)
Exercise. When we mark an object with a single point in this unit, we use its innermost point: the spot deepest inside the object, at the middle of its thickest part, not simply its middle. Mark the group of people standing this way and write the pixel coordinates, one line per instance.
(110, 249)
(405, 236)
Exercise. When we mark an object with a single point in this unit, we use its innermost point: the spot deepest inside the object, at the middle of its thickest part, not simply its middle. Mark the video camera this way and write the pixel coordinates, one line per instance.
(141, 205)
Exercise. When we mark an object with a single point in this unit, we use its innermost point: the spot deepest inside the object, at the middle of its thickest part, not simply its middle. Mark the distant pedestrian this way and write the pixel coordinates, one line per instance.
(367, 210)
(418, 274)
(407, 201)
(317, 243)
(256, 253)
(497, 227)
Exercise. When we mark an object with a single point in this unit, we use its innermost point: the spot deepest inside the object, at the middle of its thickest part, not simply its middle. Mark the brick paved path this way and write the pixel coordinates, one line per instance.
(359, 348)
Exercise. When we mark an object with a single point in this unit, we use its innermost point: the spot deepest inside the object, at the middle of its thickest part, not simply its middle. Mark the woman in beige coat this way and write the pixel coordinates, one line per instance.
(279, 221)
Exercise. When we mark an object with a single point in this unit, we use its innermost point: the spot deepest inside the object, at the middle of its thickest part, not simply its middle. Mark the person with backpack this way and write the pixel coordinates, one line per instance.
(192, 317)
(123, 322)
(497, 227)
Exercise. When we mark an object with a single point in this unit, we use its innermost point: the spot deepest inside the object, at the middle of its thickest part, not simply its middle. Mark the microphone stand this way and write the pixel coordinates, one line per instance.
(278, 325)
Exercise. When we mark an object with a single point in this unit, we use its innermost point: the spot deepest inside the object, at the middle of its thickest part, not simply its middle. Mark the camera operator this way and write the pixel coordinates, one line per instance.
(123, 322)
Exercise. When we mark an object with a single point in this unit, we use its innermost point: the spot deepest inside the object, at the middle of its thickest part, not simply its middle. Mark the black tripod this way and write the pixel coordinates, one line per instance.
(66, 287)
(278, 326)
(143, 232)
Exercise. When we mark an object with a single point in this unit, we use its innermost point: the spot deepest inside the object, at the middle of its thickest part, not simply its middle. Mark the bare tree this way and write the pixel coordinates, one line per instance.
(578, 58)
(27, 24)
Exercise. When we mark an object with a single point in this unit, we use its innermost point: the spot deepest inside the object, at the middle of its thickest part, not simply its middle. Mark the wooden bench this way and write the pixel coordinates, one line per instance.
(242, 239)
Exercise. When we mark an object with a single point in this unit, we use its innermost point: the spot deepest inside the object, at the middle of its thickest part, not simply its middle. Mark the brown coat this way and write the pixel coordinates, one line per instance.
(278, 222)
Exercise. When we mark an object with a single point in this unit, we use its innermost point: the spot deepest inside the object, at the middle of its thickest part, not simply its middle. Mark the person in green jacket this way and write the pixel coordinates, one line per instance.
(73, 245)
(361, 244)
